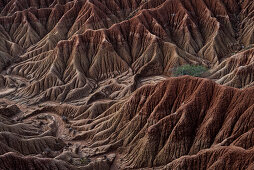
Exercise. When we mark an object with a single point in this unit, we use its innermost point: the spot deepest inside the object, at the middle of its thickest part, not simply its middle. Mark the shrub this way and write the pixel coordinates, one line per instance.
(192, 70)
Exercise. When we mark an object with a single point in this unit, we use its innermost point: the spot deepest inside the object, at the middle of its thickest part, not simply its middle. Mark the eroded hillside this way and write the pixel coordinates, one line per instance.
(86, 84)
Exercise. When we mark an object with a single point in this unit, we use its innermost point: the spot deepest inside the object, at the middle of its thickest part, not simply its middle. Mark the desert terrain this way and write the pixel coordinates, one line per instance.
(91, 84)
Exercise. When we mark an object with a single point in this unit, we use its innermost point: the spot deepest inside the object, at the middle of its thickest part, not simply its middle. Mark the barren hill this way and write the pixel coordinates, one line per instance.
(172, 124)
(58, 46)
(87, 84)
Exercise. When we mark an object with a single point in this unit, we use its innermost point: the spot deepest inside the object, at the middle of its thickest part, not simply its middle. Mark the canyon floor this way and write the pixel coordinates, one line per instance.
(90, 84)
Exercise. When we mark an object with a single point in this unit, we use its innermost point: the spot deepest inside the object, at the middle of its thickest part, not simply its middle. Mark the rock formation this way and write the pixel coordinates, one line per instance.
(163, 122)
(89, 84)
(59, 46)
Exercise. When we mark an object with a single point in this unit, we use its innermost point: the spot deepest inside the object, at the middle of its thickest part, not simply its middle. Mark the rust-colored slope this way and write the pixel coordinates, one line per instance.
(236, 71)
(98, 56)
(177, 117)
(222, 158)
(172, 124)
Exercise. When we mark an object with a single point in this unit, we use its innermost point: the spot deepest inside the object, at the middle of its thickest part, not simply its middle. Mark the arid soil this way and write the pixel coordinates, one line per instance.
(89, 84)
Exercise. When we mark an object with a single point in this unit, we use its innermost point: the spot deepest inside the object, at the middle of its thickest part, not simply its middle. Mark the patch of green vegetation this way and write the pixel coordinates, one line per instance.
(192, 70)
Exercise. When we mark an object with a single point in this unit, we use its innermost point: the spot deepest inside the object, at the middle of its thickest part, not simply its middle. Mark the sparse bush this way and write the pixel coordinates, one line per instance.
(192, 70)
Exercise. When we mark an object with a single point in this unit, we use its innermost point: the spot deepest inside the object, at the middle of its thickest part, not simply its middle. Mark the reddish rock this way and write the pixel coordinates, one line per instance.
(108, 59)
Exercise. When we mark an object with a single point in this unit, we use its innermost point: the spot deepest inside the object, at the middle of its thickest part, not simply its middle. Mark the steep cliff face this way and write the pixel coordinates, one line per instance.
(82, 79)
